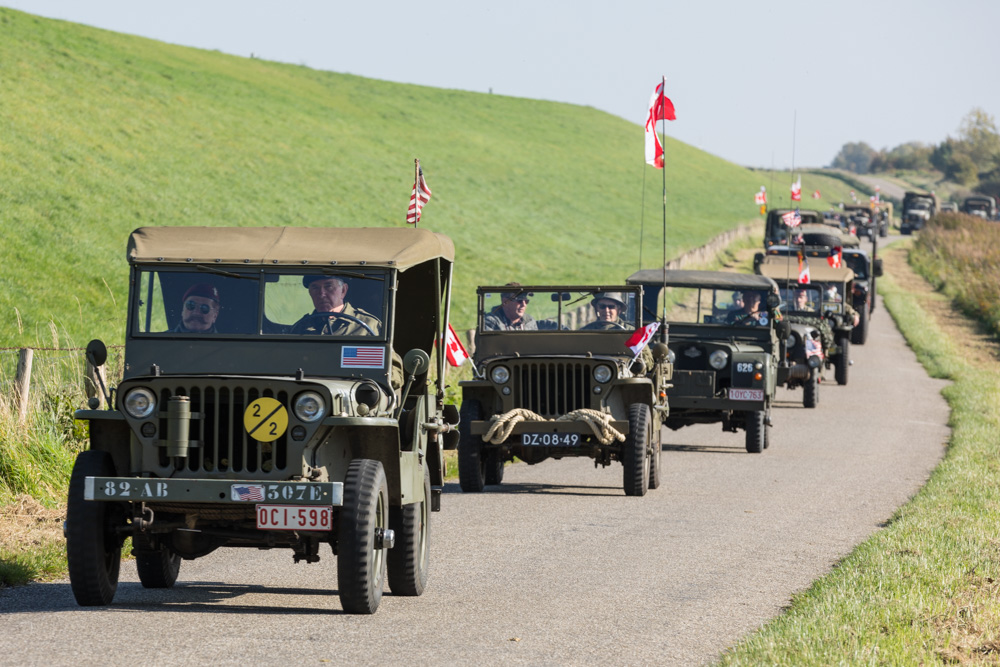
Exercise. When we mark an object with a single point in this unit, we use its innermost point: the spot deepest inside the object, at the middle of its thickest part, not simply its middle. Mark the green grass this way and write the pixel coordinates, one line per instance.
(103, 133)
(924, 589)
(40, 561)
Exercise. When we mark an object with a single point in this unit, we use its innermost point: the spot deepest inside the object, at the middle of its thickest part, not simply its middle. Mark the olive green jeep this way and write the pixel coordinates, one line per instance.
(275, 394)
(725, 345)
(555, 378)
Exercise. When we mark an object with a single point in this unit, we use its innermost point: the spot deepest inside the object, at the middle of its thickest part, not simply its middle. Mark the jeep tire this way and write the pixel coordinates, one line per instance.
(756, 431)
(655, 466)
(407, 561)
(93, 547)
(471, 463)
(859, 334)
(493, 465)
(635, 450)
(363, 517)
(843, 361)
(158, 568)
(810, 389)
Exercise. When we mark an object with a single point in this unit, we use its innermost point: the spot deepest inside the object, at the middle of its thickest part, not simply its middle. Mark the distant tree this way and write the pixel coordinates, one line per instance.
(856, 157)
(979, 133)
(913, 155)
(943, 154)
(964, 171)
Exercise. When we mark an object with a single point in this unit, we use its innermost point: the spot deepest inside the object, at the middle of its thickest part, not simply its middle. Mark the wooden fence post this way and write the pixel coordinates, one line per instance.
(93, 380)
(22, 381)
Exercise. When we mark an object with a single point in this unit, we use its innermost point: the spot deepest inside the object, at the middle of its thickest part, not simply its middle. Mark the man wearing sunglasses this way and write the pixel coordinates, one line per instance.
(510, 315)
(199, 309)
(609, 308)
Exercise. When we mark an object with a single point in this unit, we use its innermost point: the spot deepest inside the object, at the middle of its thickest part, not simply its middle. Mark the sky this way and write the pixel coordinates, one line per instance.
(776, 83)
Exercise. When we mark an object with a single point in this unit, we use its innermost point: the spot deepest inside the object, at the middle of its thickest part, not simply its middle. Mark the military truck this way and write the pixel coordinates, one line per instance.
(725, 353)
(868, 219)
(982, 206)
(918, 208)
(838, 315)
(811, 235)
(254, 412)
(560, 380)
(776, 230)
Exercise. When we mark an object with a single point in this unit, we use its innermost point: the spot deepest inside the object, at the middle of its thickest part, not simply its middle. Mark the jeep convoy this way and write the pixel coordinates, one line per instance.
(918, 208)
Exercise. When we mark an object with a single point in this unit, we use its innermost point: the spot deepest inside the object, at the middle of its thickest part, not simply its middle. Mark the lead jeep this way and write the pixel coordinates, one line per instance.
(276, 426)
(565, 384)
(725, 364)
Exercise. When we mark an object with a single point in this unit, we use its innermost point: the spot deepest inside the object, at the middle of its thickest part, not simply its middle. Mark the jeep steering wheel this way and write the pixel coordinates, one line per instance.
(325, 318)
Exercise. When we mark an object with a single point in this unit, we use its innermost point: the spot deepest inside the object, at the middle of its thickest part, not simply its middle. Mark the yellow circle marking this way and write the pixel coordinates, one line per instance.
(265, 419)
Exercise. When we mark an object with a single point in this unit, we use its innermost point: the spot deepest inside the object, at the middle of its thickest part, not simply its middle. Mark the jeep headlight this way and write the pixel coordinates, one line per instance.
(309, 406)
(140, 403)
(791, 341)
(500, 374)
(718, 359)
(602, 373)
(671, 357)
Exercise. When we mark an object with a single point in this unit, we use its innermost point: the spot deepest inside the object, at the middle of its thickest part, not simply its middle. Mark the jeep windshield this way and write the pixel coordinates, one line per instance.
(801, 300)
(207, 301)
(554, 309)
(713, 305)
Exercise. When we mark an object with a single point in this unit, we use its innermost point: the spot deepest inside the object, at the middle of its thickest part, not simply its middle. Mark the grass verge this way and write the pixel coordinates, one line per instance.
(924, 589)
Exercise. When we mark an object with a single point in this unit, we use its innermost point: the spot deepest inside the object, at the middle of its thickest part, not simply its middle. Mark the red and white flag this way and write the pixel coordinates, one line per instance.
(761, 197)
(836, 258)
(453, 348)
(641, 337)
(660, 108)
(420, 196)
(816, 194)
(803, 271)
(797, 190)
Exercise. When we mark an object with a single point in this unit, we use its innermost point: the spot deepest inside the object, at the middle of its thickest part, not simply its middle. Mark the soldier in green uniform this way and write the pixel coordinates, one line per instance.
(333, 314)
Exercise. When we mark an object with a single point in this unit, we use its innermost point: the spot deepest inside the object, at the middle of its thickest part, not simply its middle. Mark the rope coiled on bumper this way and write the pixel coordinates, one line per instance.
(599, 423)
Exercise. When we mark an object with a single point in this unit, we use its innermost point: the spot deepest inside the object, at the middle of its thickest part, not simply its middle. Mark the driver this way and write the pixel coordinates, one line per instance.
(609, 307)
(333, 315)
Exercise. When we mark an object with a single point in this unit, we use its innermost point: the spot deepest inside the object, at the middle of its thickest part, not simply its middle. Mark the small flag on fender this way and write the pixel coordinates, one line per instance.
(836, 257)
(453, 348)
(641, 337)
(420, 196)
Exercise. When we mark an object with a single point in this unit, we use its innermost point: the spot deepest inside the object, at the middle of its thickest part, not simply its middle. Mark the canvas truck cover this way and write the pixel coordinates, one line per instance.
(275, 246)
(709, 279)
(785, 268)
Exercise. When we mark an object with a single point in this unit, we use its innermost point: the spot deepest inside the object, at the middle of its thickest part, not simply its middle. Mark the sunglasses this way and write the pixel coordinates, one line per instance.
(607, 306)
(204, 307)
(524, 301)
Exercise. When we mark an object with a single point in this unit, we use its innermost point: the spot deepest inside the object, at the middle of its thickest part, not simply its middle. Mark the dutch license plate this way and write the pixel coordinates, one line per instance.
(746, 394)
(294, 517)
(550, 439)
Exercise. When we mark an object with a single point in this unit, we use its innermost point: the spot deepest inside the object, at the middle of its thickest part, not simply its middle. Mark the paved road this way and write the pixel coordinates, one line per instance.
(556, 566)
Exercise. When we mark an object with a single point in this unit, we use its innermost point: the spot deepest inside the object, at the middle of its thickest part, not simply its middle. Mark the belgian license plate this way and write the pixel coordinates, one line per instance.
(550, 439)
(294, 517)
(746, 394)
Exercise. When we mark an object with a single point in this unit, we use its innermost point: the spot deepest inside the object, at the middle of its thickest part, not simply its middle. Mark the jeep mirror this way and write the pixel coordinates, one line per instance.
(561, 296)
(97, 353)
(877, 268)
(773, 300)
(784, 329)
(416, 362)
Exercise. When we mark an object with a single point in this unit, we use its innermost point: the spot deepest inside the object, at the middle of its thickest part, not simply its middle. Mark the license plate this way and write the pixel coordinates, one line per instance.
(550, 439)
(294, 517)
(746, 394)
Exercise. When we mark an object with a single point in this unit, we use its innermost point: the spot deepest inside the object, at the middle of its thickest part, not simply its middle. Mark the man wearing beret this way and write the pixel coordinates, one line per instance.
(609, 307)
(333, 314)
(199, 309)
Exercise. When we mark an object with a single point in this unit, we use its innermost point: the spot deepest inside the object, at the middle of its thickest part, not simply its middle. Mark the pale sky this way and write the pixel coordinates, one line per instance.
(758, 83)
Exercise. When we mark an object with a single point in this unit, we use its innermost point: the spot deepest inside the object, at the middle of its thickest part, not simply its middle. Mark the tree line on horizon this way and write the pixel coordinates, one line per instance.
(971, 160)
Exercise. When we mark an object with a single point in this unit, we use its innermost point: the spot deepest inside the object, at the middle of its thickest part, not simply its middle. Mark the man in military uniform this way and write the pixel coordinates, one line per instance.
(609, 307)
(333, 315)
(510, 315)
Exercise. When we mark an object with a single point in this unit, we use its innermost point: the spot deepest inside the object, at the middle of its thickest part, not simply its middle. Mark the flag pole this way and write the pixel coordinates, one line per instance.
(663, 127)
(416, 183)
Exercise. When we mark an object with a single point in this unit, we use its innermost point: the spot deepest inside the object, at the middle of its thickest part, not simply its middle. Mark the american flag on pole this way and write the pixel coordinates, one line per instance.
(248, 492)
(792, 218)
(420, 196)
(362, 357)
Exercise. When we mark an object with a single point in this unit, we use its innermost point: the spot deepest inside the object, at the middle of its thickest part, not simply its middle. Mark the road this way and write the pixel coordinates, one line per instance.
(556, 566)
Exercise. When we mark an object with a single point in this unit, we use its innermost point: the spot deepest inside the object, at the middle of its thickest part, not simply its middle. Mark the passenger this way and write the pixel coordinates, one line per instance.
(609, 307)
(333, 314)
(751, 314)
(510, 315)
(199, 309)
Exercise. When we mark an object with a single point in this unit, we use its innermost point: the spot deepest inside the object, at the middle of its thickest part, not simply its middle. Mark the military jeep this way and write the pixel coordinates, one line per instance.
(561, 381)
(837, 315)
(725, 361)
(252, 414)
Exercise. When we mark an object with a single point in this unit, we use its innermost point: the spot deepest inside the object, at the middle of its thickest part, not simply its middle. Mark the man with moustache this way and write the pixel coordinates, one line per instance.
(199, 310)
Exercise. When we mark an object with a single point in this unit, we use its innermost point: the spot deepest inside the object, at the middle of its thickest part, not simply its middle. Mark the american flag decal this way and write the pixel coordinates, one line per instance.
(362, 357)
(248, 492)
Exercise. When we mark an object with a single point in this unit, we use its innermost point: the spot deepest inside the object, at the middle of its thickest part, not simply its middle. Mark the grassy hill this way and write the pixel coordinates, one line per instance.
(101, 133)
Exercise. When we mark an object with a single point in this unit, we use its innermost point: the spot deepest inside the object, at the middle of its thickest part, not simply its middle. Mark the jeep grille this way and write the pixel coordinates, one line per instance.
(552, 389)
(217, 429)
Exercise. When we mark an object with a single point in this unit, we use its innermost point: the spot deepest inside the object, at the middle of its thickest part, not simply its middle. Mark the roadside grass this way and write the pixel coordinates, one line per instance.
(924, 589)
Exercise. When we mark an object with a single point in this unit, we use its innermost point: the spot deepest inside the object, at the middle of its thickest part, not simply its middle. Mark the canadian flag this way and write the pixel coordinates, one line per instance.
(660, 108)
(816, 194)
(761, 197)
(641, 337)
(803, 272)
(797, 190)
(836, 257)
(453, 348)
